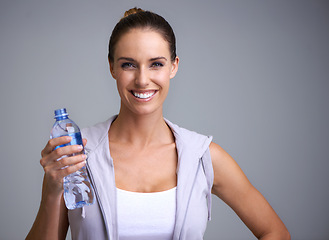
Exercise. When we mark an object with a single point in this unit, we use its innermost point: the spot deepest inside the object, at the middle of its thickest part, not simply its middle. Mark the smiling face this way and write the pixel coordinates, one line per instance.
(142, 69)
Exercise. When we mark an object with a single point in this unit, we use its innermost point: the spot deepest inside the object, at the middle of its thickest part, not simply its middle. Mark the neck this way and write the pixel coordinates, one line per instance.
(140, 130)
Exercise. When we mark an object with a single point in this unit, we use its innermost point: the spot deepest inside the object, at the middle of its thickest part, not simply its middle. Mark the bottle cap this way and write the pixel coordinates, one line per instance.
(60, 112)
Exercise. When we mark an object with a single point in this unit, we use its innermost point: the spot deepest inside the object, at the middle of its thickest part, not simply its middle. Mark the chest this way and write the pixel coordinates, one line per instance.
(151, 169)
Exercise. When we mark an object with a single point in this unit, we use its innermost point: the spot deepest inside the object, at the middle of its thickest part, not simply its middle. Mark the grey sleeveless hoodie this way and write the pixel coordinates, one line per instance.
(194, 182)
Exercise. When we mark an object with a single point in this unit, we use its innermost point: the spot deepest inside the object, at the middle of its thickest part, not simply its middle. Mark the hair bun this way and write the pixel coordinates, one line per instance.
(133, 11)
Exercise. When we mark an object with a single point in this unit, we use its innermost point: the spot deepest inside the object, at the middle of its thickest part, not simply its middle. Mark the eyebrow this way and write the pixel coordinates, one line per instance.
(133, 60)
(126, 59)
(158, 58)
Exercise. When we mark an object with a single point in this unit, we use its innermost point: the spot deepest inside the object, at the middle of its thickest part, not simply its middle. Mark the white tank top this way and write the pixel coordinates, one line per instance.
(146, 216)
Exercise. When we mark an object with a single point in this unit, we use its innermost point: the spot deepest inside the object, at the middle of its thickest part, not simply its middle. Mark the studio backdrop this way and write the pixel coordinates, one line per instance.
(253, 74)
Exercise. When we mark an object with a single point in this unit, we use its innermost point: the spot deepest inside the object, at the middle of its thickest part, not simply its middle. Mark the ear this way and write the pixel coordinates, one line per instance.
(174, 67)
(112, 69)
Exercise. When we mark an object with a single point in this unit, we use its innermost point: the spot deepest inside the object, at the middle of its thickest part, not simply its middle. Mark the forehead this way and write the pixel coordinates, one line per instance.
(138, 43)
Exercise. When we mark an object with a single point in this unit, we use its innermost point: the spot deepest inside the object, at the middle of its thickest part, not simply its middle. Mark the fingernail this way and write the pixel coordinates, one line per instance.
(80, 147)
(84, 156)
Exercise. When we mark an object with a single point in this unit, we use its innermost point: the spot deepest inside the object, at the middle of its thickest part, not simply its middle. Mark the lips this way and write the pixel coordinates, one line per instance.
(144, 94)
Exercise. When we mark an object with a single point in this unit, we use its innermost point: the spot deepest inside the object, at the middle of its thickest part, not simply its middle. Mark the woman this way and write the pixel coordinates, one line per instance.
(152, 179)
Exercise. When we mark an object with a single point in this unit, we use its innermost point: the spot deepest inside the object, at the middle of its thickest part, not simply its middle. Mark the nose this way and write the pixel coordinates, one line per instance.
(142, 78)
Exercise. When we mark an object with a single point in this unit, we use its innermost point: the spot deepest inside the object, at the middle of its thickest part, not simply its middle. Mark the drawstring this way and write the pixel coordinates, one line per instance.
(83, 212)
(209, 205)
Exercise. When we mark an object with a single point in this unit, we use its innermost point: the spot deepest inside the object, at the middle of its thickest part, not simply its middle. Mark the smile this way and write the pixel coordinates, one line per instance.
(143, 95)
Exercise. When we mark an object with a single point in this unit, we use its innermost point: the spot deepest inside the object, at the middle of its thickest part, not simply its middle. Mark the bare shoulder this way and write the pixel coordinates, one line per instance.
(227, 173)
(216, 151)
(218, 154)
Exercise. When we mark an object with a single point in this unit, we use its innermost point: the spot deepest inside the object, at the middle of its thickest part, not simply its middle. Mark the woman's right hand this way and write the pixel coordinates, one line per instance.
(52, 220)
(58, 163)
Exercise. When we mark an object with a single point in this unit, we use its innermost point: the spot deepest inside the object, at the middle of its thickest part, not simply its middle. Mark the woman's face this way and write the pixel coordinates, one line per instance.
(142, 68)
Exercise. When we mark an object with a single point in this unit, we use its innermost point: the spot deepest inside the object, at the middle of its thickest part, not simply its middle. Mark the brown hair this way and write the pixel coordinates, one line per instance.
(138, 18)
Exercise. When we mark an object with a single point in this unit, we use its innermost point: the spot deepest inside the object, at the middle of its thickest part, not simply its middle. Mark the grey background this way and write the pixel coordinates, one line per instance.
(254, 74)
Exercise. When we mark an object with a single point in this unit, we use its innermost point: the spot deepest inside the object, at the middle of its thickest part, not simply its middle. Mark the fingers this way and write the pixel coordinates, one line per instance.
(57, 170)
(53, 143)
(67, 165)
(59, 153)
(66, 151)
(66, 161)
(71, 165)
(54, 160)
(60, 162)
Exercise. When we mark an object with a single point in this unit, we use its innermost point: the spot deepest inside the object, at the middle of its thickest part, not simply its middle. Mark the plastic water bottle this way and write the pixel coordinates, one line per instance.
(78, 191)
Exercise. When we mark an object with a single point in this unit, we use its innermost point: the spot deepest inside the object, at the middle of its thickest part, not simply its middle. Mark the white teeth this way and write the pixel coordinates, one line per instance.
(143, 95)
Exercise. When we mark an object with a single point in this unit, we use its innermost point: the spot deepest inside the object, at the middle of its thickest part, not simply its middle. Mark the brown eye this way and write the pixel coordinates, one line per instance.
(157, 64)
(127, 65)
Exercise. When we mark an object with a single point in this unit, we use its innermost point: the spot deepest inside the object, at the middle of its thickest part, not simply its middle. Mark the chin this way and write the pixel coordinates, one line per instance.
(145, 111)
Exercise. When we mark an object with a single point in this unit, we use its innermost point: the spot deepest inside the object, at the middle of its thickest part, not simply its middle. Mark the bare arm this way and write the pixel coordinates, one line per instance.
(233, 187)
(52, 221)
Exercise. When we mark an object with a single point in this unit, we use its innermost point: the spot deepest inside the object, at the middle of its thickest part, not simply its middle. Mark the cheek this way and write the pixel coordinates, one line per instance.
(124, 78)
(122, 83)
(161, 77)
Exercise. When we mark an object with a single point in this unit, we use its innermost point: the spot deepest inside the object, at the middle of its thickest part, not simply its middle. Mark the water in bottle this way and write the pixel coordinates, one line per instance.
(78, 191)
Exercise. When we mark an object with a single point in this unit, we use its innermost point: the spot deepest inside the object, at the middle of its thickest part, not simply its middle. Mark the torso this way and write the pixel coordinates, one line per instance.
(192, 187)
(151, 169)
